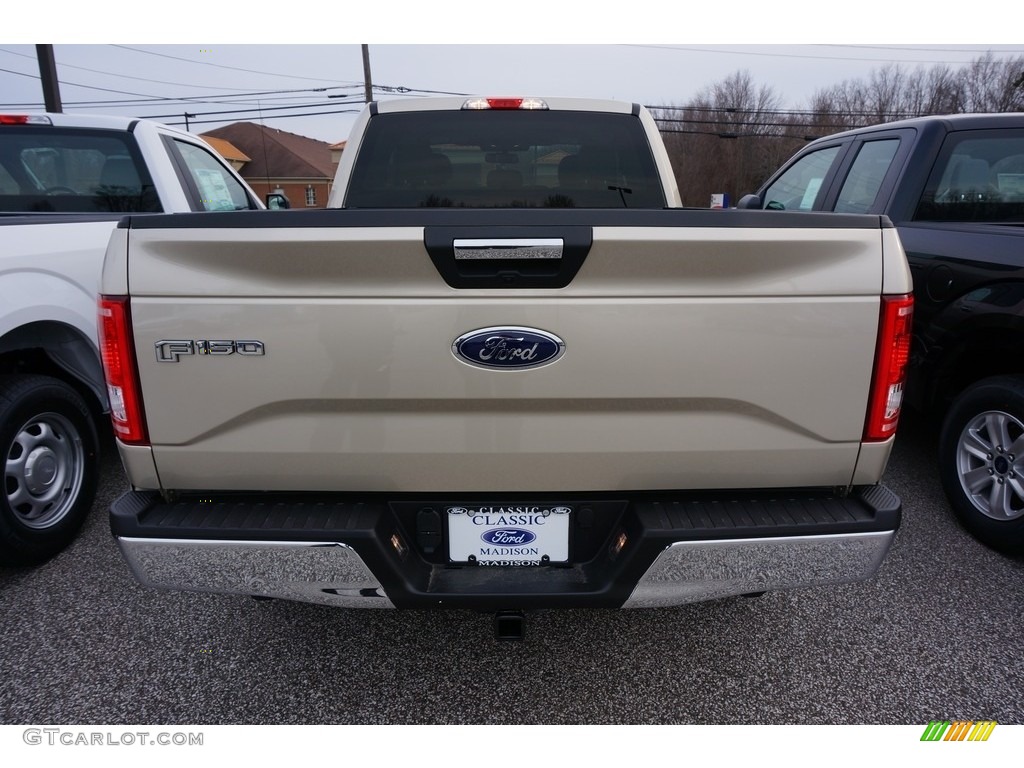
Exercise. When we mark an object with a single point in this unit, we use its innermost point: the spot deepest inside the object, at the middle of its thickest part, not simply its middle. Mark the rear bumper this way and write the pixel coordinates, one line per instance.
(645, 551)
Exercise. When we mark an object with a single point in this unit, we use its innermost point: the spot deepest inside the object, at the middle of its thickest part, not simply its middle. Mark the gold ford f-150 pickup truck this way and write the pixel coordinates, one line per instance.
(504, 371)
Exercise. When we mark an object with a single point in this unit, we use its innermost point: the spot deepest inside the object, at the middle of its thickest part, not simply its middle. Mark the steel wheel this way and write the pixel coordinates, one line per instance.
(43, 470)
(990, 460)
(48, 467)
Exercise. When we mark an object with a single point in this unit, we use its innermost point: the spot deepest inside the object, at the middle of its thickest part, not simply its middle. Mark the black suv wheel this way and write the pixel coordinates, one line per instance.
(981, 462)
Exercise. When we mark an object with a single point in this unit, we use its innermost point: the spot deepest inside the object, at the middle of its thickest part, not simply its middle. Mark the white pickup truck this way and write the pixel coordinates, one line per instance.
(505, 372)
(65, 181)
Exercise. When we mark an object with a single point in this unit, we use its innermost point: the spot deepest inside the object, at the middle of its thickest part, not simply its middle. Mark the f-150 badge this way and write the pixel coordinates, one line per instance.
(509, 348)
(172, 350)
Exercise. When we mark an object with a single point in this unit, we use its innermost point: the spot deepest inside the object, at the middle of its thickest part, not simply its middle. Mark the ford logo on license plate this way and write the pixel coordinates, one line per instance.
(509, 537)
(508, 348)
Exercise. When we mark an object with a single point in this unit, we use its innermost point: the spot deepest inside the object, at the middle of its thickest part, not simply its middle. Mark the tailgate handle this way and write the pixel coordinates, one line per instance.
(509, 248)
(503, 256)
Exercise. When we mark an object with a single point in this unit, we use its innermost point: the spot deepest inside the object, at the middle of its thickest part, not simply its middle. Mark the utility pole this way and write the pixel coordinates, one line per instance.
(187, 116)
(48, 75)
(366, 74)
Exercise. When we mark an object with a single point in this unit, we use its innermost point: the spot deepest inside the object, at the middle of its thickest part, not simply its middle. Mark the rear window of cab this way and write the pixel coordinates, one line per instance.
(505, 159)
(49, 169)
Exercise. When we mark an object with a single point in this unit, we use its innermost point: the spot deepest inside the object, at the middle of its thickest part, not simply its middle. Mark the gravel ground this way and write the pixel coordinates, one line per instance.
(935, 635)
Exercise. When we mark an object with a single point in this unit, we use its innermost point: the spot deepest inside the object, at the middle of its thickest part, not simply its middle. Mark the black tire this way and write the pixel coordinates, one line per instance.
(49, 466)
(981, 462)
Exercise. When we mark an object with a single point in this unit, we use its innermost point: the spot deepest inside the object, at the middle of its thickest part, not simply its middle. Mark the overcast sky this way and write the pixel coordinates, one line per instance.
(574, 51)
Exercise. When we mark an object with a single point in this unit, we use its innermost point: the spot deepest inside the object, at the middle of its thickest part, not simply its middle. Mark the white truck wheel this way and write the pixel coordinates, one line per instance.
(48, 448)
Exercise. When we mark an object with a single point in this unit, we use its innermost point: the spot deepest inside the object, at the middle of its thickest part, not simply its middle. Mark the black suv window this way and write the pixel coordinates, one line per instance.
(979, 176)
(866, 175)
(799, 187)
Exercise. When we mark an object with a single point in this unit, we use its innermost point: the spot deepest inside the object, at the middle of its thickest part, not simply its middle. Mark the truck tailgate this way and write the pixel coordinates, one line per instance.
(696, 356)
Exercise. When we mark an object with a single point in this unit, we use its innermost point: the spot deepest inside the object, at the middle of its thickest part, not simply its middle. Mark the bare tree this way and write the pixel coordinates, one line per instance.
(936, 91)
(725, 139)
(992, 85)
(891, 92)
(885, 94)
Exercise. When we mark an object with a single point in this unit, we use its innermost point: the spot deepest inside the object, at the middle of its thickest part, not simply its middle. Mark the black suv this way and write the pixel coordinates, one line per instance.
(954, 187)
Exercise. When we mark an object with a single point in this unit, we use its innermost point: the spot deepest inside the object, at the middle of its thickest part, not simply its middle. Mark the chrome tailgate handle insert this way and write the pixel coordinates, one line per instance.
(494, 255)
(511, 248)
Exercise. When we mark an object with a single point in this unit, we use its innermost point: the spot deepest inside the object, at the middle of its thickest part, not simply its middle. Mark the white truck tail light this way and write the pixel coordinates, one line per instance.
(891, 359)
(121, 371)
(504, 103)
(25, 120)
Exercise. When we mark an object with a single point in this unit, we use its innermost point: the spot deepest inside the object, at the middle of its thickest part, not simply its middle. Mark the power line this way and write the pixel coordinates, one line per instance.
(64, 65)
(354, 83)
(739, 112)
(786, 55)
(91, 87)
(119, 103)
(257, 112)
(255, 109)
(243, 93)
(274, 117)
(211, 99)
(20, 74)
(915, 49)
(239, 99)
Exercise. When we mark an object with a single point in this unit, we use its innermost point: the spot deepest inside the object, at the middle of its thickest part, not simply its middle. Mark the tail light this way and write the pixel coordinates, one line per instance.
(122, 374)
(504, 103)
(891, 359)
(25, 120)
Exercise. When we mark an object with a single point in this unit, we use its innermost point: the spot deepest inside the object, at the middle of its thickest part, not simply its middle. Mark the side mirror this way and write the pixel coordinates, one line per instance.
(276, 201)
(749, 202)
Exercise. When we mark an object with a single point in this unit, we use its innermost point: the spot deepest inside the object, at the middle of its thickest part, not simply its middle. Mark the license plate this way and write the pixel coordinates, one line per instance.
(512, 534)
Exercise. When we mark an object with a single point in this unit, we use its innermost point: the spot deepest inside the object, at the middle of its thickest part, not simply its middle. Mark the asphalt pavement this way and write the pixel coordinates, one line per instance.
(935, 635)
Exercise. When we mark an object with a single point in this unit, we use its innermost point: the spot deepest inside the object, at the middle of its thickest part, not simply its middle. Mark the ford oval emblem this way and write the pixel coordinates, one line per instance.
(508, 348)
(508, 537)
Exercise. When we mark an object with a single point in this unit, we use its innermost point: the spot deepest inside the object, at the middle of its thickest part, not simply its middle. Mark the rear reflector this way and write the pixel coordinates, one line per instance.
(121, 371)
(891, 359)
